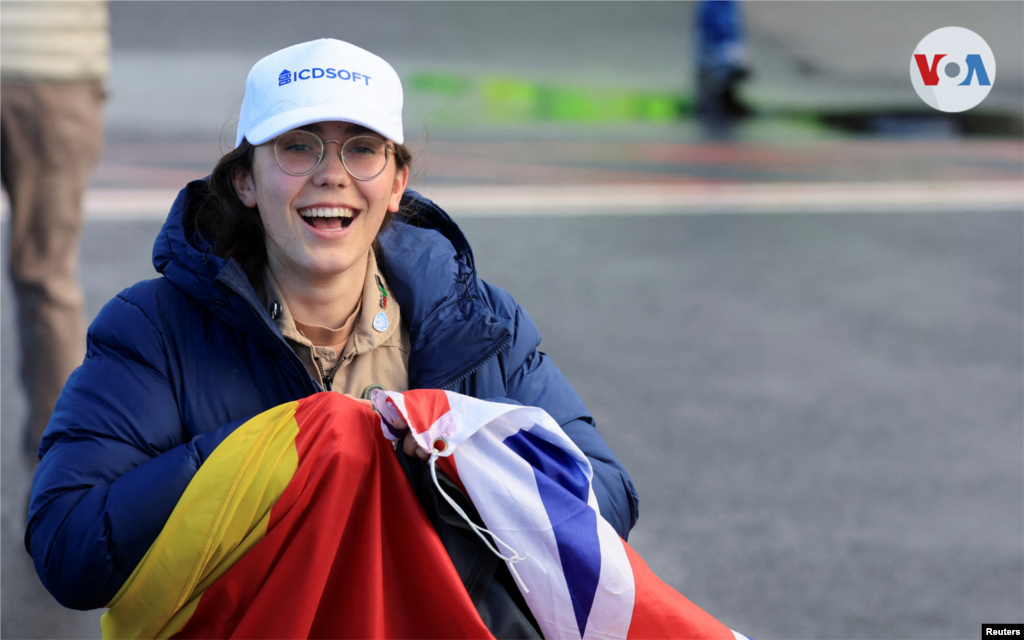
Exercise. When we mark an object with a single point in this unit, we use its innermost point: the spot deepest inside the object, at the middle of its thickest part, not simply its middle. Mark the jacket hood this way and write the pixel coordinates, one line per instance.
(183, 258)
(426, 259)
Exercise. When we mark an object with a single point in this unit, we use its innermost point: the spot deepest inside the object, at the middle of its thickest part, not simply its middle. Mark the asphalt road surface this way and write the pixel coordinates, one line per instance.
(178, 68)
(822, 413)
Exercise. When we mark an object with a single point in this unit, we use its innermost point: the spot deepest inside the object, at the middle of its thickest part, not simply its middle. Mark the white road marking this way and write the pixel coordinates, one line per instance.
(618, 200)
(502, 201)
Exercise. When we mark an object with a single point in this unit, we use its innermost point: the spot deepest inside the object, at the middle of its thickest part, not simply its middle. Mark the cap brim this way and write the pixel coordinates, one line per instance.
(276, 125)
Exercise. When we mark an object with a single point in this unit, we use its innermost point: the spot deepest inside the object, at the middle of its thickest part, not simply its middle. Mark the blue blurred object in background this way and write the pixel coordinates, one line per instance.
(721, 60)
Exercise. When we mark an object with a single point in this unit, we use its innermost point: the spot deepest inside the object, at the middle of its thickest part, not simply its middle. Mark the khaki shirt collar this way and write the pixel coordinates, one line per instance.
(366, 334)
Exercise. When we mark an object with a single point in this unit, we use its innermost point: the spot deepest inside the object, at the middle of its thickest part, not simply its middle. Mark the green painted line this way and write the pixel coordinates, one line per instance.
(440, 83)
(505, 99)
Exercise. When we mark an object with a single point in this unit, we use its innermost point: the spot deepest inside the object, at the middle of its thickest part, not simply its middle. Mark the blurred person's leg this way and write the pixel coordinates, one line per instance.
(721, 60)
(52, 135)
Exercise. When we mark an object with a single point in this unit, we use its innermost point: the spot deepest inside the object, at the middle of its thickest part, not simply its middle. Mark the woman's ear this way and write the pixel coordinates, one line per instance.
(401, 180)
(245, 188)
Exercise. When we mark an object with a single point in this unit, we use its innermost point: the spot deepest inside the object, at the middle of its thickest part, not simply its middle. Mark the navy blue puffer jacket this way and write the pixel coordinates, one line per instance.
(175, 364)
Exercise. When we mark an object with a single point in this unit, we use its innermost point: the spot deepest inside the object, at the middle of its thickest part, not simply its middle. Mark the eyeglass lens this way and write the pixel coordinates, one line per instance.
(299, 152)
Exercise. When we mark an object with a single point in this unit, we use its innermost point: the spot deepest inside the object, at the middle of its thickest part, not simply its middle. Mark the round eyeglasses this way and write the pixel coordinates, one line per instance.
(298, 152)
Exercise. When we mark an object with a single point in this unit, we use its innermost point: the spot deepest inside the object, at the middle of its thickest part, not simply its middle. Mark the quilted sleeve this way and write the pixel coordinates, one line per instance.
(113, 462)
(532, 379)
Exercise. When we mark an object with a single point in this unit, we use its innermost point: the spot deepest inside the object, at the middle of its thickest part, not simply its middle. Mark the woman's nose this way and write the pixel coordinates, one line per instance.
(331, 169)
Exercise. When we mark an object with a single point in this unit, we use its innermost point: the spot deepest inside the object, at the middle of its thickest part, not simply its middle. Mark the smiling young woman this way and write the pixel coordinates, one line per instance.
(228, 221)
(319, 226)
(302, 265)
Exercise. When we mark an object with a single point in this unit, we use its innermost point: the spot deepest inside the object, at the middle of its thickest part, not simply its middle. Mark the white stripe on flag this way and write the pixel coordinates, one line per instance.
(506, 497)
(612, 611)
(504, 489)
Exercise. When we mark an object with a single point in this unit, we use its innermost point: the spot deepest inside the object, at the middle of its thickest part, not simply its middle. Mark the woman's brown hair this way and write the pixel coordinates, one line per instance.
(236, 231)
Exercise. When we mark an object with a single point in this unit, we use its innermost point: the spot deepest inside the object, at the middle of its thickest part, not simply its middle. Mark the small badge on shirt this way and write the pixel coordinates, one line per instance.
(380, 321)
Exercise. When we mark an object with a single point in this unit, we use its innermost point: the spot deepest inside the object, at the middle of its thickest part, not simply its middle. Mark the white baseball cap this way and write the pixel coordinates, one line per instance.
(320, 81)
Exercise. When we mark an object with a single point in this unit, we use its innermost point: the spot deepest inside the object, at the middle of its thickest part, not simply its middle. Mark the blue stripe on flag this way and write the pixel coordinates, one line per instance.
(564, 490)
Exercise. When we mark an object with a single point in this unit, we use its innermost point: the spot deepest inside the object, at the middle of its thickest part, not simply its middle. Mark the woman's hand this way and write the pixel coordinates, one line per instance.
(409, 444)
(410, 447)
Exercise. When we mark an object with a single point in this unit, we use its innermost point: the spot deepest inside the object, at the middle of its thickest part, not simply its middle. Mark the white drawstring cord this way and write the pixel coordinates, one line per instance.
(480, 530)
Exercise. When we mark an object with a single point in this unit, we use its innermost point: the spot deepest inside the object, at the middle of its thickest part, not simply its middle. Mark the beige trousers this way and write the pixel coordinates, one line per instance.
(51, 136)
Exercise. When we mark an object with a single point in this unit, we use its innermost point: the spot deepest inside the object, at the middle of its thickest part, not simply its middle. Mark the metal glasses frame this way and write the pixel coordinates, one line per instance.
(323, 151)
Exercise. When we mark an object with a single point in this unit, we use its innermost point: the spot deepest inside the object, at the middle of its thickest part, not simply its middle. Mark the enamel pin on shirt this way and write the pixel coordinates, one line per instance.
(380, 321)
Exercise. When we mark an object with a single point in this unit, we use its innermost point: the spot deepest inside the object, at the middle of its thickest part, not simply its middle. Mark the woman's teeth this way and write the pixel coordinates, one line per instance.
(326, 212)
(327, 217)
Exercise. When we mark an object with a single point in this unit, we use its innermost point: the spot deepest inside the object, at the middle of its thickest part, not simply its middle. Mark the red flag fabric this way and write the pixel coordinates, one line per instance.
(347, 550)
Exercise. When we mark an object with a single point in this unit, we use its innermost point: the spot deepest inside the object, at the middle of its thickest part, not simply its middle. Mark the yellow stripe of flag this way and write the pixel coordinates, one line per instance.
(221, 516)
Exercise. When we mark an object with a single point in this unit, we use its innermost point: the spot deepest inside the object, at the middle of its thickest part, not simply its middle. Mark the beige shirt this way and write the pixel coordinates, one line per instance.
(370, 357)
(54, 40)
